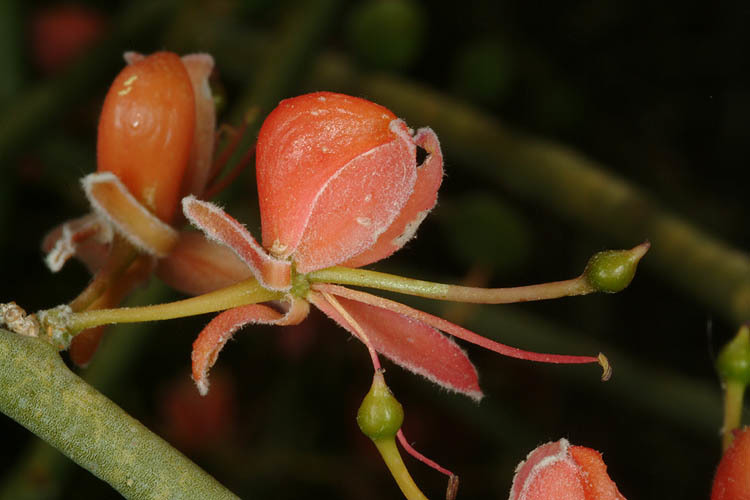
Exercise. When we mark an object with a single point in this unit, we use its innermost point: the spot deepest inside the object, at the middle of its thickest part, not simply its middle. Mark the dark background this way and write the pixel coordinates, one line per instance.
(656, 93)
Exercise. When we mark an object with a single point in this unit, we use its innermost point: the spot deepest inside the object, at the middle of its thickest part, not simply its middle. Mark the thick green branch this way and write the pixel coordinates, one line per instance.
(566, 182)
(39, 392)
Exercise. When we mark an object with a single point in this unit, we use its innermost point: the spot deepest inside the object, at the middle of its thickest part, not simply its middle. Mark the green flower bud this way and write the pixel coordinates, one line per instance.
(613, 270)
(380, 416)
(733, 362)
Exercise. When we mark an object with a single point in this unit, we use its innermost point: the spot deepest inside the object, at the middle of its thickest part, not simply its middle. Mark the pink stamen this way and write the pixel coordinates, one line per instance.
(411, 451)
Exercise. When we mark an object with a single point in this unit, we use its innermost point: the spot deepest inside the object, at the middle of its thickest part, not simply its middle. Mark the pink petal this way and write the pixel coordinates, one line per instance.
(112, 201)
(199, 67)
(358, 203)
(302, 144)
(421, 201)
(451, 328)
(198, 265)
(408, 343)
(272, 273)
(548, 472)
(217, 333)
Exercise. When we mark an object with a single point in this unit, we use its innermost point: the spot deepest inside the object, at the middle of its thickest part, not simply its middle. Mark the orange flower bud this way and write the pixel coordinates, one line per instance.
(732, 480)
(558, 470)
(146, 130)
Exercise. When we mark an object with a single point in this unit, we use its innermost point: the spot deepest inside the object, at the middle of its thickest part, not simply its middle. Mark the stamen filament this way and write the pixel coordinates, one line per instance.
(243, 293)
(440, 291)
(357, 328)
(414, 453)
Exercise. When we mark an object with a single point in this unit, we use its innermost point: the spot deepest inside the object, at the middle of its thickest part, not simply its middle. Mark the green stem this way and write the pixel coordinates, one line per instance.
(287, 56)
(734, 394)
(440, 291)
(392, 458)
(42, 394)
(245, 292)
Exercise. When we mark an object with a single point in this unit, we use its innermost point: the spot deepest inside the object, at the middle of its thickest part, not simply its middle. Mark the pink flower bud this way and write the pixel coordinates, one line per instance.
(732, 480)
(563, 472)
(338, 181)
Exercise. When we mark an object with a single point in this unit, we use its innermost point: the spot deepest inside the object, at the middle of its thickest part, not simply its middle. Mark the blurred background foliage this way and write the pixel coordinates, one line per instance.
(657, 92)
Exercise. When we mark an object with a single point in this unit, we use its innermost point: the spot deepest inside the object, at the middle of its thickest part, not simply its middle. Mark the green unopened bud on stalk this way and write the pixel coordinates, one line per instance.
(380, 415)
(612, 271)
(733, 362)
(733, 365)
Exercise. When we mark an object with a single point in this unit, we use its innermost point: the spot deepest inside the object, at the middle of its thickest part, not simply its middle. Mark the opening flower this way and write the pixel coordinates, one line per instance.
(155, 145)
(340, 187)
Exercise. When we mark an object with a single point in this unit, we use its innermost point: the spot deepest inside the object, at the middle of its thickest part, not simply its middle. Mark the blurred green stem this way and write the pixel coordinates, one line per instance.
(286, 57)
(564, 181)
(42, 394)
(10, 48)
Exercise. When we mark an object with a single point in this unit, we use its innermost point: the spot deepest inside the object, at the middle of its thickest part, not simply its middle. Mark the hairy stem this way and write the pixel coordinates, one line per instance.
(43, 395)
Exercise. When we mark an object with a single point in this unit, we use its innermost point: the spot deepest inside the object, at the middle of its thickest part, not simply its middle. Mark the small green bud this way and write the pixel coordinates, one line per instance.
(733, 362)
(612, 270)
(380, 416)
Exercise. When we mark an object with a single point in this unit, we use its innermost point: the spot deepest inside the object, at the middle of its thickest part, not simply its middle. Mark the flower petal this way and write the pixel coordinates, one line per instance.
(420, 203)
(87, 238)
(359, 203)
(301, 146)
(450, 328)
(548, 472)
(219, 226)
(199, 67)
(409, 343)
(212, 338)
(596, 482)
(111, 200)
(197, 265)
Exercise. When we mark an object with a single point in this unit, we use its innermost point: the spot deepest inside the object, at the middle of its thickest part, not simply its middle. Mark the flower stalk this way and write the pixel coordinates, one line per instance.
(243, 293)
